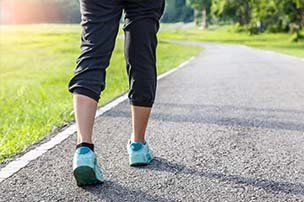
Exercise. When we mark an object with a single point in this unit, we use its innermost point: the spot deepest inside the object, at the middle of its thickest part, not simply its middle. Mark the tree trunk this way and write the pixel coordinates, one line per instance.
(302, 19)
(248, 12)
(196, 17)
(204, 17)
(244, 15)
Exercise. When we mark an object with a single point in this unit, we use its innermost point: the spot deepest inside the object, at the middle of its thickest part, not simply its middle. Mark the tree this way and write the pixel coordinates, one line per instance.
(299, 4)
(235, 10)
(202, 8)
(260, 15)
(278, 15)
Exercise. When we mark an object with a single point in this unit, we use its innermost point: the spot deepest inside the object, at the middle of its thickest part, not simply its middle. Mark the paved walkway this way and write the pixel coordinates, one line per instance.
(227, 127)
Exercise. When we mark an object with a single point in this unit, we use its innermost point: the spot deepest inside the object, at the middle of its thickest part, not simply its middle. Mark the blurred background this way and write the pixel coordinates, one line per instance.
(39, 44)
(254, 15)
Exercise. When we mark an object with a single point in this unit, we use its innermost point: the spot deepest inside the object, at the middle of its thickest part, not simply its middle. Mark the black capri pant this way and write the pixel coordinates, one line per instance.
(100, 24)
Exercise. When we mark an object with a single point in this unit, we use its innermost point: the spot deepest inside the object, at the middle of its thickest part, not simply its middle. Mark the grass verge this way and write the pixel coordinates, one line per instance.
(279, 42)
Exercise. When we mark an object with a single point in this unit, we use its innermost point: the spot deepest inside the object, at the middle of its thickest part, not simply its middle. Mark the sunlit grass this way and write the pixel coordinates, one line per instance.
(280, 42)
(36, 63)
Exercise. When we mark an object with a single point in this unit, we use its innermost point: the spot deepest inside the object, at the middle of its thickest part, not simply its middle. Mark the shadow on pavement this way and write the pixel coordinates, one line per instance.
(113, 191)
(225, 115)
(164, 165)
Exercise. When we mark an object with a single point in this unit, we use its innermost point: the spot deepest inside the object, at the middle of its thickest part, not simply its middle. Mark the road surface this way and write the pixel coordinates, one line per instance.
(229, 126)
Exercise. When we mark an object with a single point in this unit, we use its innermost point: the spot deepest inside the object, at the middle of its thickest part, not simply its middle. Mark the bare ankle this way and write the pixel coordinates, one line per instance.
(138, 139)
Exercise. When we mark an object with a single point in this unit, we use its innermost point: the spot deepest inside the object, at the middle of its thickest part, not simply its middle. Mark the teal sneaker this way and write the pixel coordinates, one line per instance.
(86, 168)
(139, 154)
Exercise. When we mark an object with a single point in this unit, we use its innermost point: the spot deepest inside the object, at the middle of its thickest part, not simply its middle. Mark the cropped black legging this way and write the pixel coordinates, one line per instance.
(100, 23)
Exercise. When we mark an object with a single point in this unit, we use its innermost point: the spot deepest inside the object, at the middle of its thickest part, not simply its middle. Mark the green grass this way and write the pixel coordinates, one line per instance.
(36, 63)
(279, 42)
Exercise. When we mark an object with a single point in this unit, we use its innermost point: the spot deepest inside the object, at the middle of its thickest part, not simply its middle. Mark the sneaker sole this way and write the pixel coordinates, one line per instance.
(85, 175)
(139, 161)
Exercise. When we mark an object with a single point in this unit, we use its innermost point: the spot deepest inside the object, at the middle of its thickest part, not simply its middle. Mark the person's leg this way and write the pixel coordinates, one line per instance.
(100, 22)
(140, 117)
(141, 27)
(84, 109)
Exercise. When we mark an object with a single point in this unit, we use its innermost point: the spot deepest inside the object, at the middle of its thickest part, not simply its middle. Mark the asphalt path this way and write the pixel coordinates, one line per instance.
(229, 126)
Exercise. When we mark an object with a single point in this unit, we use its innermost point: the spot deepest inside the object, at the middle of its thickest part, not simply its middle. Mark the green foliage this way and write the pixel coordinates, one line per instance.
(202, 8)
(199, 4)
(295, 30)
(238, 28)
(296, 37)
(236, 10)
(259, 15)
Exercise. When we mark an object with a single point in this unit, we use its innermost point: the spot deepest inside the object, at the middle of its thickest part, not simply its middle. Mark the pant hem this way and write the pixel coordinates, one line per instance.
(86, 92)
(140, 104)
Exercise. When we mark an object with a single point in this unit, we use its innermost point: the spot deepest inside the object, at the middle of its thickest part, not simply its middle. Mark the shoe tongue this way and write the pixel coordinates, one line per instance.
(83, 150)
(135, 146)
